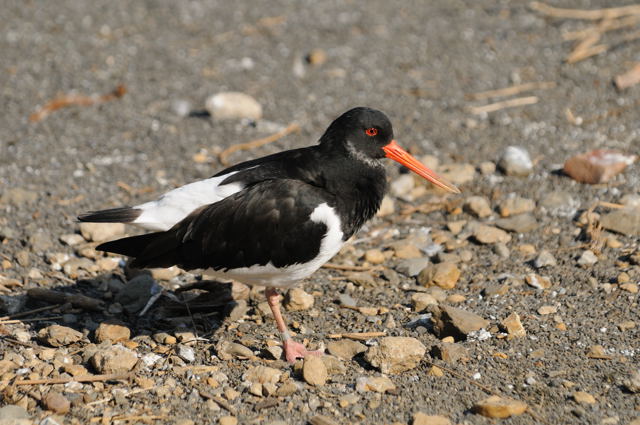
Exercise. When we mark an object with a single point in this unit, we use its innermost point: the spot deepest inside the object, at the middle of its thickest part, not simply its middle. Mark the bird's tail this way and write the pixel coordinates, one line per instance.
(113, 215)
(151, 250)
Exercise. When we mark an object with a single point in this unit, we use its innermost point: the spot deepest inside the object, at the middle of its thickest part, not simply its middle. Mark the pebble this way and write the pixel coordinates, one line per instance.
(450, 352)
(12, 414)
(515, 161)
(59, 336)
(233, 106)
(165, 273)
(314, 371)
(458, 174)
(186, 353)
(445, 275)
(521, 223)
(560, 203)
(322, 420)
(407, 251)
(114, 359)
(587, 258)
(232, 350)
(71, 239)
(486, 234)
(396, 354)
(421, 301)
(100, 232)
(412, 266)
(513, 326)
(547, 309)
(478, 206)
(287, 389)
(452, 321)
(499, 407)
(298, 300)
(56, 402)
(374, 256)
(583, 397)
(112, 332)
(378, 384)
(402, 185)
(625, 221)
(228, 420)
(597, 166)
(501, 250)
(40, 242)
(487, 168)
(544, 259)
(345, 348)
(537, 281)
(334, 365)
(420, 418)
(632, 383)
(515, 206)
(630, 287)
(262, 380)
(181, 107)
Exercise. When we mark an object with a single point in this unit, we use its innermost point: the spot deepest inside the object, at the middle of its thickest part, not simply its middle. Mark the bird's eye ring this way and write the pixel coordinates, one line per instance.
(371, 131)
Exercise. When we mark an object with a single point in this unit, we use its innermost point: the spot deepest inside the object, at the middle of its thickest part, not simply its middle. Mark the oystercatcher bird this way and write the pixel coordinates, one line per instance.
(275, 220)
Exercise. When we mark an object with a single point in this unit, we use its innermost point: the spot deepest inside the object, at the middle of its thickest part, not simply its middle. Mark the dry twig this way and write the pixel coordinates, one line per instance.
(257, 143)
(591, 15)
(513, 90)
(360, 336)
(511, 103)
(75, 99)
(87, 378)
(77, 300)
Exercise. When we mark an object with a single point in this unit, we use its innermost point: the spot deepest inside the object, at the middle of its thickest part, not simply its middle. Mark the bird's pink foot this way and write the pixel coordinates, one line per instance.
(294, 350)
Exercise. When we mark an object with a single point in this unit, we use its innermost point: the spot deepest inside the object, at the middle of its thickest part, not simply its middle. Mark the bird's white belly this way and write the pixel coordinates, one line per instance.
(286, 277)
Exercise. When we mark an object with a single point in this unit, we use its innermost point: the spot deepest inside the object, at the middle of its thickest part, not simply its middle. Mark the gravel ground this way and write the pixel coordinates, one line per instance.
(307, 62)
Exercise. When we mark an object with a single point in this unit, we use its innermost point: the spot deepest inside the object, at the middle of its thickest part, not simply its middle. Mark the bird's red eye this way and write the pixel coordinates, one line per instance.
(371, 131)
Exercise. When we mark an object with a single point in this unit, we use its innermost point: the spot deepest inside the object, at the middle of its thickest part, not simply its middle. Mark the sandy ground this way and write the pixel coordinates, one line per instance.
(415, 60)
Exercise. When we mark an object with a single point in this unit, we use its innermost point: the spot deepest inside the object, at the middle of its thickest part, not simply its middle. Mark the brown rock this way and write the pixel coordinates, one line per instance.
(314, 371)
(513, 326)
(455, 322)
(298, 300)
(625, 221)
(100, 232)
(499, 407)
(396, 354)
(379, 384)
(59, 336)
(421, 301)
(521, 223)
(547, 309)
(420, 418)
(597, 166)
(112, 332)
(445, 275)
(451, 353)
(478, 206)
(374, 256)
(232, 350)
(583, 397)
(406, 251)
(346, 348)
(537, 281)
(115, 359)
(322, 420)
(489, 235)
(228, 420)
(515, 206)
(56, 402)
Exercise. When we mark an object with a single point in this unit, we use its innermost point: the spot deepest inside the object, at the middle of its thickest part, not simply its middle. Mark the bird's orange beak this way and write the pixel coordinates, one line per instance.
(398, 154)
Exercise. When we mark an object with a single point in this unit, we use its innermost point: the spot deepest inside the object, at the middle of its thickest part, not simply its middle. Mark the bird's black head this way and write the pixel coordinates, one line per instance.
(363, 132)
(366, 135)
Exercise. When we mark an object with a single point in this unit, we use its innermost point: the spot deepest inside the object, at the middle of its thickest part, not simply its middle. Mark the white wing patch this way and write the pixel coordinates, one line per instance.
(172, 207)
(269, 275)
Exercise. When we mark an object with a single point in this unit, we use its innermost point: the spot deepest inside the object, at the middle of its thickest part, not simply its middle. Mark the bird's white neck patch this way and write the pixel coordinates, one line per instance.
(360, 156)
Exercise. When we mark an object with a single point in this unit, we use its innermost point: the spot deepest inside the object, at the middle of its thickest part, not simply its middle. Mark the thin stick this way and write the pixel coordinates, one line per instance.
(30, 312)
(610, 205)
(360, 336)
(591, 15)
(88, 378)
(35, 319)
(75, 99)
(582, 54)
(130, 418)
(351, 268)
(608, 25)
(511, 103)
(510, 91)
(257, 143)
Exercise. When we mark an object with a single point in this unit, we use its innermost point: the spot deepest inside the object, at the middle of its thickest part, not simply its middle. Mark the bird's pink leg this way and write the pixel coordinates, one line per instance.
(292, 350)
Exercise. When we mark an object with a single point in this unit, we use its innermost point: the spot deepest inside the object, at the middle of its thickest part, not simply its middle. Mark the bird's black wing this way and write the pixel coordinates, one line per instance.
(268, 222)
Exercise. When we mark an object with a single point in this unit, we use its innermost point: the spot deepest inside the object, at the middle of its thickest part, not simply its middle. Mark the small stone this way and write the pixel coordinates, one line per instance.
(547, 309)
(499, 407)
(374, 256)
(626, 325)
(420, 418)
(165, 273)
(228, 420)
(114, 359)
(12, 414)
(625, 221)
(458, 174)
(262, 375)
(298, 300)
(100, 232)
(59, 336)
(597, 166)
(435, 371)
(56, 402)
(233, 106)
(587, 258)
(487, 168)
(407, 251)
(345, 348)
(287, 389)
(450, 352)
(560, 203)
(108, 264)
(402, 185)
(515, 206)
(598, 352)
(421, 301)
(445, 275)
(322, 420)
(478, 206)
(314, 371)
(455, 322)
(396, 354)
(521, 223)
(317, 57)
(537, 281)
(412, 266)
(379, 384)
(486, 234)
(334, 365)
(232, 350)
(40, 242)
(630, 287)
(501, 250)
(515, 161)
(112, 332)
(583, 397)
(387, 207)
(71, 239)
(632, 383)
(186, 353)
(544, 259)
(513, 326)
